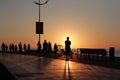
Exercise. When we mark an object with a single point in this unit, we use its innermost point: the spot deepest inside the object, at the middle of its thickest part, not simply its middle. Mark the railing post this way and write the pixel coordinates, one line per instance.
(112, 54)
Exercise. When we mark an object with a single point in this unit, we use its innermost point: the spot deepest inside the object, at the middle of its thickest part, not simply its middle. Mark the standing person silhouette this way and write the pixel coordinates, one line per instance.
(39, 47)
(3, 47)
(45, 47)
(55, 48)
(67, 48)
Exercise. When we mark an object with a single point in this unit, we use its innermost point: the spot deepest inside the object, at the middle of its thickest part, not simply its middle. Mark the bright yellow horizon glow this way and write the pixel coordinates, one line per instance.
(88, 24)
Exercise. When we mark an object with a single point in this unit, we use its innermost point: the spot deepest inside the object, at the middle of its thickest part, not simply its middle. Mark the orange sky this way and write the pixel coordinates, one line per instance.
(88, 23)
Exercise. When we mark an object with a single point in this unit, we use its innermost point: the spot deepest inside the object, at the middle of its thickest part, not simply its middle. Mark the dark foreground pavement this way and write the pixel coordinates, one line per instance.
(5, 74)
(28, 67)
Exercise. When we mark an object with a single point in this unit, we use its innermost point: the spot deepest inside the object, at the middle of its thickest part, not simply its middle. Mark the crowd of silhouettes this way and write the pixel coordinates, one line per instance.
(46, 50)
(47, 47)
(15, 48)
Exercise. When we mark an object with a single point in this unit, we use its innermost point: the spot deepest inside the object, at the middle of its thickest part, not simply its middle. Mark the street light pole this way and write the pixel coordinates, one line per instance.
(39, 18)
(39, 25)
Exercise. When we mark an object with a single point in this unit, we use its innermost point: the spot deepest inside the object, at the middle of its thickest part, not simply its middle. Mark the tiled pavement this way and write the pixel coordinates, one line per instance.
(28, 67)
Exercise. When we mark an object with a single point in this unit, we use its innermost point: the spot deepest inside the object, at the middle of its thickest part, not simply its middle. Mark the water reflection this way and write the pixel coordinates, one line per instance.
(67, 74)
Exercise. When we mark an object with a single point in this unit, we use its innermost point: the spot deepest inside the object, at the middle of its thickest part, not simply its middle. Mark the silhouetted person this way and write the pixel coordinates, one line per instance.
(6, 48)
(28, 47)
(3, 47)
(10, 47)
(45, 46)
(49, 47)
(20, 47)
(15, 48)
(67, 48)
(38, 46)
(55, 48)
(24, 47)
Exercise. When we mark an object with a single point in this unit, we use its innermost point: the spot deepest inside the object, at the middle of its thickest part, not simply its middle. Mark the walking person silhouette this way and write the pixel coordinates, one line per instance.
(67, 48)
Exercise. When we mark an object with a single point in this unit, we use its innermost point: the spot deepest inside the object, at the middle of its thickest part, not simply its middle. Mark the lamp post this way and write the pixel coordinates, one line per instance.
(39, 24)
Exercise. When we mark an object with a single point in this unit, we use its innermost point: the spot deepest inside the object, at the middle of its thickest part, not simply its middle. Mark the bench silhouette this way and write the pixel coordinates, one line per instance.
(92, 52)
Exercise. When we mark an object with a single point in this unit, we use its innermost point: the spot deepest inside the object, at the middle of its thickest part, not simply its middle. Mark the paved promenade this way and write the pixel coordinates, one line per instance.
(28, 67)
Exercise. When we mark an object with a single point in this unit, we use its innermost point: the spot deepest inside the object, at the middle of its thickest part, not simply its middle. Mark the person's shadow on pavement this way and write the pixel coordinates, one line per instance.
(67, 73)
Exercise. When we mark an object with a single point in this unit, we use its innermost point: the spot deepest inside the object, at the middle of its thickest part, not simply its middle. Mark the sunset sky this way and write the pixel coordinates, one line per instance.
(88, 23)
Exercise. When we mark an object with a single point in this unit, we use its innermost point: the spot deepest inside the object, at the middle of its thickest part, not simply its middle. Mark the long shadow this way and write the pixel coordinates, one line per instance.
(67, 73)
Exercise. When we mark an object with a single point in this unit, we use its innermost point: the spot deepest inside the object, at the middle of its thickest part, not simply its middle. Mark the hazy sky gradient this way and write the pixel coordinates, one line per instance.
(88, 23)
